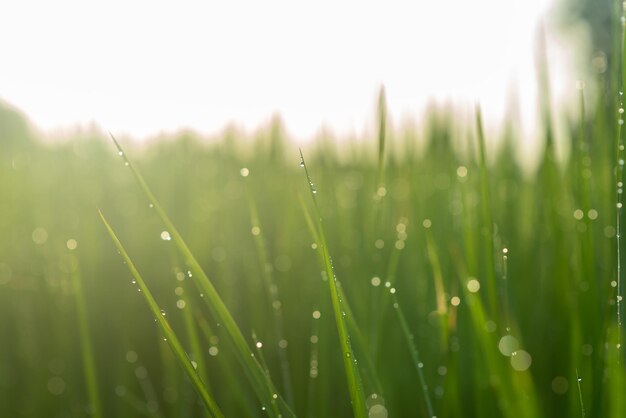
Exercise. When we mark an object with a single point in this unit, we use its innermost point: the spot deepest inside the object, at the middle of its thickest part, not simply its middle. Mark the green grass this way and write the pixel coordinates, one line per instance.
(255, 268)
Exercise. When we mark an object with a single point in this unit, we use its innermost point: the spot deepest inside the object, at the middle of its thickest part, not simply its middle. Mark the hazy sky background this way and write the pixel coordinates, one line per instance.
(139, 67)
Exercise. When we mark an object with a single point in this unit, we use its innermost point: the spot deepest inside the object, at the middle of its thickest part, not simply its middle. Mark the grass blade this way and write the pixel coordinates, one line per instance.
(352, 372)
(168, 332)
(89, 364)
(264, 388)
(487, 218)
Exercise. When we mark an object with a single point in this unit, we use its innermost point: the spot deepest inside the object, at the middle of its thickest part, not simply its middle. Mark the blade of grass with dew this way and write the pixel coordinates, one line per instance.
(377, 214)
(368, 367)
(352, 371)
(515, 389)
(442, 308)
(487, 218)
(410, 341)
(259, 352)
(164, 325)
(313, 367)
(89, 364)
(265, 390)
(245, 403)
(273, 295)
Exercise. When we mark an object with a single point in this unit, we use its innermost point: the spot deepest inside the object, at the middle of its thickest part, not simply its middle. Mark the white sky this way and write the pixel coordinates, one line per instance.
(139, 67)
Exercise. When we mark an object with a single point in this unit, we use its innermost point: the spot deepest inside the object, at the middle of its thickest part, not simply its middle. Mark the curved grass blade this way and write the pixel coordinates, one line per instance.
(168, 332)
(352, 372)
(264, 388)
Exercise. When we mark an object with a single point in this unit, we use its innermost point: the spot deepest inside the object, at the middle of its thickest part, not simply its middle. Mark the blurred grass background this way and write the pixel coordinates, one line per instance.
(419, 221)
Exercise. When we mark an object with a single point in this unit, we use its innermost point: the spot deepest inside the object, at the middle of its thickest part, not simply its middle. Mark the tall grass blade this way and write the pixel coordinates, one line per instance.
(164, 325)
(273, 295)
(352, 372)
(264, 388)
(368, 367)
(487, 217)
(89, 364)
(410, 341)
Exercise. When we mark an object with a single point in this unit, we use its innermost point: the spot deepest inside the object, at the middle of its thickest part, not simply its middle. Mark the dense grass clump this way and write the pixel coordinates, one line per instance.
(374, 278)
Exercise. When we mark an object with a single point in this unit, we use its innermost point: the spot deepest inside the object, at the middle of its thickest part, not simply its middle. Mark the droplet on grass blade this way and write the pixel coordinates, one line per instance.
(521, 360)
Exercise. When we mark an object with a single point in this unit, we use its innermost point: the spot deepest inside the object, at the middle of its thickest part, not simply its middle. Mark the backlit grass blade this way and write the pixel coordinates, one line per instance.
(408, 337)
(487, 217)
(265, 390)
(273, 295)
(368, 368)
(89, 364)
(352, 372)
(382, 131)
(167, 331)
(442, 307)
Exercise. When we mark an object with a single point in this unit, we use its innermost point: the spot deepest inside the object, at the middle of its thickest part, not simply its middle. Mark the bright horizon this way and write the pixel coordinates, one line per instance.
(142, 68)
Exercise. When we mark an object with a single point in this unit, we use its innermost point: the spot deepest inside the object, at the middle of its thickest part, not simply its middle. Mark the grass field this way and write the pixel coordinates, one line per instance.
(409, 274)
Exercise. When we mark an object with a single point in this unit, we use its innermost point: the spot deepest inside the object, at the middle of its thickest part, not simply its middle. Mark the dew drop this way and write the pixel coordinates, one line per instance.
(120, 153)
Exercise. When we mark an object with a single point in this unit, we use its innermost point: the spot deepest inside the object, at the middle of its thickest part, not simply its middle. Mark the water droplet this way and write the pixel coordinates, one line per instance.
(134, 281)
(348, 354)
(508, 345)
(313, 190)
(165, 236)
(163, 312)
(580, 379)
(120, 153)
(164, 339)
(521, 360)
(301, 162)
(275, 396)
(126, 163)
(420, 365)
(259, 344)
(151, 206)
(473, 285)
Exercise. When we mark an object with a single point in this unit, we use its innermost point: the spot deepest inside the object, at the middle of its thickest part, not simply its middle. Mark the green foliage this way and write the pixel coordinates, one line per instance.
(469, 289)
